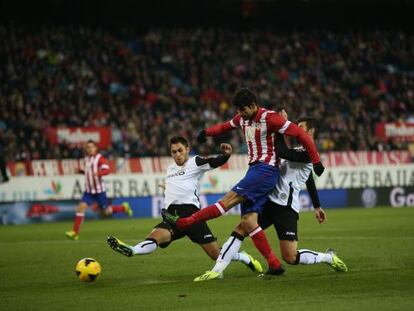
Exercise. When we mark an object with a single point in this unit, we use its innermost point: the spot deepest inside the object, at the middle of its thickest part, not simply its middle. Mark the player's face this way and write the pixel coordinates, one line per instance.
(179, 152)
(91, 149)
(303, 126)
(309, 131)
(248, 112)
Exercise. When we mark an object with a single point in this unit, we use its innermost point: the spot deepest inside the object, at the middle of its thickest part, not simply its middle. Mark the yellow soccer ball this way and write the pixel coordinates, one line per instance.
(88, 269)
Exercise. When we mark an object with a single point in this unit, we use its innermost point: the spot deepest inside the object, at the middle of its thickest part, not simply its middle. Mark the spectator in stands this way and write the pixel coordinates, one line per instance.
(79, 76)
(4, 176)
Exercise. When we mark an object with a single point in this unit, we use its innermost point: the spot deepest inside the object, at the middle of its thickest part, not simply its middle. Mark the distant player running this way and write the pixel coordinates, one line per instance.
(259, 127)
(282, 210)
(96, 166)
(182, 187)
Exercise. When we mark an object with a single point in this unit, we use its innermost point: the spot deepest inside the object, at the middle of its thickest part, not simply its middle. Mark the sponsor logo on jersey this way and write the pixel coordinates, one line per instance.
(179, 173)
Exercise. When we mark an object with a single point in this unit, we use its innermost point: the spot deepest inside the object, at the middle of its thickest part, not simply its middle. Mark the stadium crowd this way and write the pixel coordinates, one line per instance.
(165, 82)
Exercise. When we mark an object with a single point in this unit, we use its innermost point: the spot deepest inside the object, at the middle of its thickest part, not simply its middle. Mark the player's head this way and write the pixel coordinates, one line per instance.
(91, 148)
(309, 125)
(245, 102)
(179, 149)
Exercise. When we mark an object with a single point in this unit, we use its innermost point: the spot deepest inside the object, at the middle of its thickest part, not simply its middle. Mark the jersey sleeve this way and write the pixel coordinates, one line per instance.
(213, 162)
(223, 128)
(279, 124)
(293, 155)
(235, 122)
(313, 193)
(103, 166)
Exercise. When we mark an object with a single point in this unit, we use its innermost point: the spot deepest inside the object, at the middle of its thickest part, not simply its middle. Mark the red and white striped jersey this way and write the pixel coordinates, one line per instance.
(260, 136)
(95, 167)
(260, 133)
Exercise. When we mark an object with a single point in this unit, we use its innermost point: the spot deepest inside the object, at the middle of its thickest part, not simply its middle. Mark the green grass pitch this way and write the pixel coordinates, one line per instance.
(37, 268)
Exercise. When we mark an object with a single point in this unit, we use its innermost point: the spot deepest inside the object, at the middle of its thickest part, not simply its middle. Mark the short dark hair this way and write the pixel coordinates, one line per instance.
(280, 108)
(311, 122)
(244, 97)
(178, 140)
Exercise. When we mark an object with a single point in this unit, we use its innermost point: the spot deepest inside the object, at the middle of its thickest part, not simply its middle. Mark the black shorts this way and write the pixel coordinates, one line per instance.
(283, 218)
(199, 233)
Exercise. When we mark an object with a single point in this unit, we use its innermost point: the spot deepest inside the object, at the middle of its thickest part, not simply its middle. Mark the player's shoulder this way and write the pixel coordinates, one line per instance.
(195, 160)
(270, 113)
(192, 160)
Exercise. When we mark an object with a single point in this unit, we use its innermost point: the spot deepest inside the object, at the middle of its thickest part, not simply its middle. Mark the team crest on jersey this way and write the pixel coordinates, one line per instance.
(283, 196)
(251, 130)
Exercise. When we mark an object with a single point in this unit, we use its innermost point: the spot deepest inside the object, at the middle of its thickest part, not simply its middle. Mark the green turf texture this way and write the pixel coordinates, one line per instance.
(37, 268)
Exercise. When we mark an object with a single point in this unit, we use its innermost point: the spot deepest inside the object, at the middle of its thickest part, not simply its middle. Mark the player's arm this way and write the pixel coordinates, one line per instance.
(313, 193)
(216, 161)
(103, 167)
(290, 154)
(218, 129)
(280, 125)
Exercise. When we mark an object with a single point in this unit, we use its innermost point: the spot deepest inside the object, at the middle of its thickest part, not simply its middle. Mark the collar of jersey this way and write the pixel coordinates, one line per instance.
(258, 114)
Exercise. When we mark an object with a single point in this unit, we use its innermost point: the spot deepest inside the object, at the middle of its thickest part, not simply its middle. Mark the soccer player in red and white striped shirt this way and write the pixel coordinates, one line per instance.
(259, 127)
(96, 166)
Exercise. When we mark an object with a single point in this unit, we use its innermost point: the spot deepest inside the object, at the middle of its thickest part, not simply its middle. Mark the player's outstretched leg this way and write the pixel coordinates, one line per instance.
(250, 262)
(309, 257)
(128, 209)
(123, 208)
(148, 246)
(74, 234)
(208, 276)
(337, 264)
(207, 213)
(119, 246)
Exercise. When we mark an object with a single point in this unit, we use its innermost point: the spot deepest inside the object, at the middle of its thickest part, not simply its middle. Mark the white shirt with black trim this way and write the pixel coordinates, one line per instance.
(182, 184)
(293, 177)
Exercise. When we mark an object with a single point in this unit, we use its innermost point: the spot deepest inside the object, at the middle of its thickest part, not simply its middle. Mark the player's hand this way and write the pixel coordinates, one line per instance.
(226, 149)
(202, 137)
(318, 168)
(320, 215)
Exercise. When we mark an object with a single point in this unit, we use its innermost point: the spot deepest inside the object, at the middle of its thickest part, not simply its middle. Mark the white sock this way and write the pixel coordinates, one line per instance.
(309, 257)
(241, 257)
(227, 253)
(145, 247)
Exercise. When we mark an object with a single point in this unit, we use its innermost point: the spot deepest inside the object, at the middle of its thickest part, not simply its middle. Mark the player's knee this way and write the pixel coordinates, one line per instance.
(247, 224)
(81, 208)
